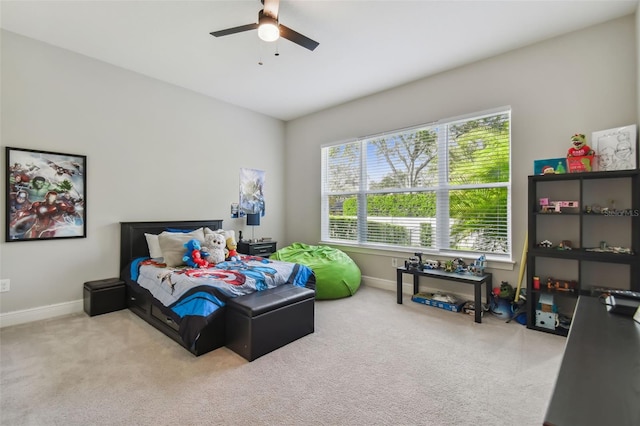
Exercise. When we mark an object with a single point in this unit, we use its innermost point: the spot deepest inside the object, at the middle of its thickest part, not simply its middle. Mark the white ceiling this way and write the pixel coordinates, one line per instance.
(365, 46)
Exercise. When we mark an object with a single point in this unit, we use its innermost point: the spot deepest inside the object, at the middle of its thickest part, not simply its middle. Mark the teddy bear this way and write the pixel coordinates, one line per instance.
(214, 244)
(195, 254)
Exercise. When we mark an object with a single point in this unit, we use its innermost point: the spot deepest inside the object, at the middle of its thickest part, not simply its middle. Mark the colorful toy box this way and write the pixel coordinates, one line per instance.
(452, 304)
(550, 166)
(580, 164)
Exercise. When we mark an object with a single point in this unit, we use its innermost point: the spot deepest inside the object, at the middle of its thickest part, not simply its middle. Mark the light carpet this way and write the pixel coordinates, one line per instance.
(369, 362)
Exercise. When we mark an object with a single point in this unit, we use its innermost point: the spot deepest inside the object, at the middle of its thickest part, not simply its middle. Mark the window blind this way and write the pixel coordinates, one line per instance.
(444, 186)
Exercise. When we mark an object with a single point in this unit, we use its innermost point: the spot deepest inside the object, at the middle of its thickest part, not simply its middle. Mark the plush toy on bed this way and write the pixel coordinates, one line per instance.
(232, 245)
(214, 244)
(195, 255)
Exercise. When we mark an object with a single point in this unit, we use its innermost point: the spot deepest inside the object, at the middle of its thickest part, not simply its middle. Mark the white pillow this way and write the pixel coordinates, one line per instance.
(172, 245)
(154, 246)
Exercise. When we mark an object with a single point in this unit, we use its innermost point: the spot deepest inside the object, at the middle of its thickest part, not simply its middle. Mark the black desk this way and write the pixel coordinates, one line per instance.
(599, 378)
(477, 281)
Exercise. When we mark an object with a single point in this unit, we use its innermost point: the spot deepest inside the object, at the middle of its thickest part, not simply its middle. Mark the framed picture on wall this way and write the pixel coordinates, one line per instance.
(616, 149)
(252, 191)
(46, 195)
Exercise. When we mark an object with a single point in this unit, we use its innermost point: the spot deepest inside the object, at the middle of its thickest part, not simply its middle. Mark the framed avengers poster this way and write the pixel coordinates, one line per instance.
(46, 195)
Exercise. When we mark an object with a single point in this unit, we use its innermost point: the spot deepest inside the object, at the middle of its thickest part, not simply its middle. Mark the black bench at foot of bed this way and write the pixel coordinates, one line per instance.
(261, 322)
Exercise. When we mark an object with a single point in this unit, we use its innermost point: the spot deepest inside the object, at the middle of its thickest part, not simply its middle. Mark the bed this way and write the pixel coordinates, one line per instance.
(189, 305)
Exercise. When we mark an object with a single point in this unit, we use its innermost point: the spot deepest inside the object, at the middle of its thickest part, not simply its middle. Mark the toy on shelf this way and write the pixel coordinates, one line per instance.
(550, 166)
(448, 266)
(604, 248)
(413, 264)
(548, 206)
(580, 155)
(536, 283)
(478, 265)
(457, 265)
(546, 312)
(431, 264)
(545, 244)
(419, 256)
(565, 245)
(609, 211)
(561, 285)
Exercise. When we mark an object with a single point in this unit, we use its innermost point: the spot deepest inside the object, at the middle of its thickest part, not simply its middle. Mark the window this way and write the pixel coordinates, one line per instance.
(442, 187)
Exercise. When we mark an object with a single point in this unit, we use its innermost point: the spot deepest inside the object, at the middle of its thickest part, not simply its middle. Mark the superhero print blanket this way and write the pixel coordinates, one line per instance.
(191, 296)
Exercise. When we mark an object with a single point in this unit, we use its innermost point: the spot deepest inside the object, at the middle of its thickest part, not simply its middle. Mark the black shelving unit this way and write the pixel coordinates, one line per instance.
(619, 226)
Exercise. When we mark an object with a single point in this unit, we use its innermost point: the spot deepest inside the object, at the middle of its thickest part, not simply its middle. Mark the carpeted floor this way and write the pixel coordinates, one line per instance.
(370, 362)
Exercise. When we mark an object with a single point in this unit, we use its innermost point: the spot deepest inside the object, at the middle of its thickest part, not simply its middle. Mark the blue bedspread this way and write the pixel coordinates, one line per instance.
(192, 296)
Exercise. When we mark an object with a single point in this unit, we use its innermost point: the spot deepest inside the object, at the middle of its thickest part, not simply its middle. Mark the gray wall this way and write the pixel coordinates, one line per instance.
(154, 152)
(158, 152)
(580, 82)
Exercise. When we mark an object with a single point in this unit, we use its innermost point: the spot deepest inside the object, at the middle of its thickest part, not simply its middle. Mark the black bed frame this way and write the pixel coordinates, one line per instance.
(133, 244)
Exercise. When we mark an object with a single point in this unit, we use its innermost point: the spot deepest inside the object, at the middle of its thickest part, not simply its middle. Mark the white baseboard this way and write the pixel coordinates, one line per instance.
(381, 284)
(407, 288)
(40, 313)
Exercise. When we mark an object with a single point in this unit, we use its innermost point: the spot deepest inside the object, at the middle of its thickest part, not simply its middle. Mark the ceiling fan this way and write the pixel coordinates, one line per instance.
(269, 29)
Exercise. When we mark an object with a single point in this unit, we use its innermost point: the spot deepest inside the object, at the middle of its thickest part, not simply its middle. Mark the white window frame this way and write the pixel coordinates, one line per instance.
(442, 190)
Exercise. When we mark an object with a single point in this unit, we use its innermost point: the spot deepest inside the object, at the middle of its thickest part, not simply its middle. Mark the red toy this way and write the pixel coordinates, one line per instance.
(196, 257)
(193, 256)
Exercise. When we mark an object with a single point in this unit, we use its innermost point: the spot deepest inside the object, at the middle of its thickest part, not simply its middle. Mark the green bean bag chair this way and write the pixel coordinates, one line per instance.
(337, 275)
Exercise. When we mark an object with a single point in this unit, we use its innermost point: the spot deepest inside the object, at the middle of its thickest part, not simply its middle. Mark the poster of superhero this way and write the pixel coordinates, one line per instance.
(46, 195)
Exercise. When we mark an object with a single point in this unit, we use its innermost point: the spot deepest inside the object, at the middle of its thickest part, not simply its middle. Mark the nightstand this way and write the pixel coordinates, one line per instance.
(260, 248)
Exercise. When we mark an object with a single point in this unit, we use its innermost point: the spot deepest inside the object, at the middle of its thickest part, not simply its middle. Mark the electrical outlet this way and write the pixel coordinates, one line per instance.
(394, 262)
(5, 285)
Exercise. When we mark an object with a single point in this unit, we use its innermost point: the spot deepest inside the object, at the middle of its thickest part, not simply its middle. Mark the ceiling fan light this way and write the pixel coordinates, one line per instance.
(268, 29)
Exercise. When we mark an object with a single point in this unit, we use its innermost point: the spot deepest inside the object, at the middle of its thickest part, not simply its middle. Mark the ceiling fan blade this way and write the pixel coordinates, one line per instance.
(271, 8)
(234, 30)
(297, 38)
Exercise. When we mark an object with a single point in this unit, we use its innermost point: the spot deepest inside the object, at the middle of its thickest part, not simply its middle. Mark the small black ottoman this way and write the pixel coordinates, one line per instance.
(103, 296)
(264, 321)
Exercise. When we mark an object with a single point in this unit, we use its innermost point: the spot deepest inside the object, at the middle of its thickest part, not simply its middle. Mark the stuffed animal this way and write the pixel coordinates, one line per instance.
(579, 155)
(580, 147)
(232, 245)
(506, 291)
(215, 243)
(194, 256)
